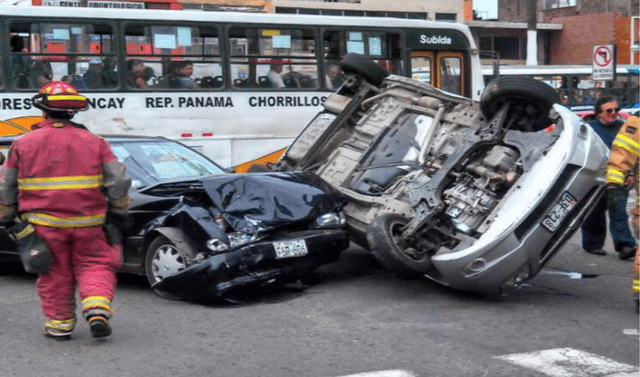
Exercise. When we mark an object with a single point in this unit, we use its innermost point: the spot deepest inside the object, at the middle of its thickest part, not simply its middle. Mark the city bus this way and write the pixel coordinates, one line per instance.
(233, 86)
(575, 83)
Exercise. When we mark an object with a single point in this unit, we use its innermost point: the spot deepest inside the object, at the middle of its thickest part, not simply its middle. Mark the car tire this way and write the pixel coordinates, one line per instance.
(365, 67)
(164, 255)
(387, 248)
(534, 95)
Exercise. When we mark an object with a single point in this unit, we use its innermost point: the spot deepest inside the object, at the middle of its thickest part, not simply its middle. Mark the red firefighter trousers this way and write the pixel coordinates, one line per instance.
(81, 256)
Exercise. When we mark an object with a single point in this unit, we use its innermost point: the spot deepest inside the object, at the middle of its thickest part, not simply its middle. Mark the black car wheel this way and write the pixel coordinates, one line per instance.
(387, 247)
(368, 69)
(531, 98)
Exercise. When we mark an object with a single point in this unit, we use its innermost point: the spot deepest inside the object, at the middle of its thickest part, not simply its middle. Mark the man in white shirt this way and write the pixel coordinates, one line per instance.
(274, 75)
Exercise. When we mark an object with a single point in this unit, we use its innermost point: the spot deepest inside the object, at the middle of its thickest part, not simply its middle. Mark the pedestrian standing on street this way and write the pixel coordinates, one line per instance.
(65, 181)
(623, 164)
(594, 227)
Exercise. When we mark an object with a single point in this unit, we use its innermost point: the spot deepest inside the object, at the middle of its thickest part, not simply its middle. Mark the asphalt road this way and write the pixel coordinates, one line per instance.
(576, 318)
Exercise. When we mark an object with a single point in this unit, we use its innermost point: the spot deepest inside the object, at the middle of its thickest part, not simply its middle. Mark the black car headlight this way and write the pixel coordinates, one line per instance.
(217, 245)
(239, 239)
(235, 240)
(330, 220)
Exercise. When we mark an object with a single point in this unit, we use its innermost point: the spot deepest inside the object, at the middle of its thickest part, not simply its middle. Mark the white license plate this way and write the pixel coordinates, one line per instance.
(290, 249)
(559, 212)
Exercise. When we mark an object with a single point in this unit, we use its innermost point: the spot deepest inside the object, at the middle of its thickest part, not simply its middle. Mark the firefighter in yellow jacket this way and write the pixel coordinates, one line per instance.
(623, 164)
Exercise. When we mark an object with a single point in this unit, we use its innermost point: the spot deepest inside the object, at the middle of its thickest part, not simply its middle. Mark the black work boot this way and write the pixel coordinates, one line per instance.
(99, 326)
(627, 252)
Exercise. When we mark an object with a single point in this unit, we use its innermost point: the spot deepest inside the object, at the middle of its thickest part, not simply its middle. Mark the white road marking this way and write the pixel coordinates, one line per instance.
(384, 373)
(631, 332)
(568, 362)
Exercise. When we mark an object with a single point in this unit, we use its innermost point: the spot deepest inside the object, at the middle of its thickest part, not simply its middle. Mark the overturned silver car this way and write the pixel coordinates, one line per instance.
(475, 195)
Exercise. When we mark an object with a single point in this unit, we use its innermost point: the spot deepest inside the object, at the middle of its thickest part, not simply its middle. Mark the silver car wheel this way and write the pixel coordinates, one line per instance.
(164, 259)
(167, 261)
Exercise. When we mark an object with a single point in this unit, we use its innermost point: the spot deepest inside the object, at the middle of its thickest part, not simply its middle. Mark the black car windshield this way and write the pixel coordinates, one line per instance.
(152, 161)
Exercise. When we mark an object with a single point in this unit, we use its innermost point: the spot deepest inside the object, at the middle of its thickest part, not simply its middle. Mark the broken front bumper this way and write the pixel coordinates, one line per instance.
(254, 263)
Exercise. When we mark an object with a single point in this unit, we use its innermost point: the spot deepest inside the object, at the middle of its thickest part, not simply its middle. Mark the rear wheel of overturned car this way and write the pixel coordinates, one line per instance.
(388, 248)
(365, 67)
(164, 259)
(531, 100)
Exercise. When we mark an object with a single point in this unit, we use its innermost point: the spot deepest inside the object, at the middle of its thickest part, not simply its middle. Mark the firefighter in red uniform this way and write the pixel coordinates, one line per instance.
(623, 164)
(65, 181)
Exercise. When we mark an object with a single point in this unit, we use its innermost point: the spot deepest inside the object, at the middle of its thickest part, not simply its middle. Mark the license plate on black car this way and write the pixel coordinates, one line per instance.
(290, 248)
(559, 211)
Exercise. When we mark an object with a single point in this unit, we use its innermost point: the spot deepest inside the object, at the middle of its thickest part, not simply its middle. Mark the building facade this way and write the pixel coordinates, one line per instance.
(203, 5)
(585, 23)
(453, 11)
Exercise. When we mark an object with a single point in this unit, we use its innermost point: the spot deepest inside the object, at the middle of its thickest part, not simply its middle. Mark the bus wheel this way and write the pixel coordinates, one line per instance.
(530, 100)
(365, 67)
(389, 249)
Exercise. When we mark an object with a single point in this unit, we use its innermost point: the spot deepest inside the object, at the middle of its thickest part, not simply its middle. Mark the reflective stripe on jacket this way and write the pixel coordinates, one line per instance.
(58, 174)
(624, 155)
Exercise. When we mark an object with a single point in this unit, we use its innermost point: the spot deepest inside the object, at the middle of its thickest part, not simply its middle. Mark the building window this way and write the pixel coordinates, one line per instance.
(397, 14)
(286, 10)
(450, 17)
(354, 13)
(417, 16)
(308, 11)
(375, 14)
(550, 4)
(331, 12)
(511, 48)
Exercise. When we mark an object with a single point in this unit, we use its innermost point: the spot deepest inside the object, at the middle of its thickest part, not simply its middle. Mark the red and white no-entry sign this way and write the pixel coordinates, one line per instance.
(604, 62)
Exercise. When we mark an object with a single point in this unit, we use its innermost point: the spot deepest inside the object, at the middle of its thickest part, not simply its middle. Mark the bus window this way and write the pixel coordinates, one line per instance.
(382, 47)
(450, 74)
(173, 57)
(62, 51)
(422, 67)
(273, 58)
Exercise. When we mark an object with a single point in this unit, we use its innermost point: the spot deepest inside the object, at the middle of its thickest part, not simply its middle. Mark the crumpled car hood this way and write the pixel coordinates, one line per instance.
(250, 203)
(263, 201)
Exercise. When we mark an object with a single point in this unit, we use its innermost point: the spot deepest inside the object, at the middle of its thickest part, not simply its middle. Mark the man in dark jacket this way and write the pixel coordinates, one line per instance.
(594, 227)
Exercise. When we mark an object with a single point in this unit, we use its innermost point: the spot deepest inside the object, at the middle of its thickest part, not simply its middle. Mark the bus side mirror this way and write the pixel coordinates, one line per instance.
(2, 158)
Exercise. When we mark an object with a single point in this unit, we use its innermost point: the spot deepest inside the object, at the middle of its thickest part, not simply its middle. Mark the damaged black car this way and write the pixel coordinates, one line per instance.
(198, 233)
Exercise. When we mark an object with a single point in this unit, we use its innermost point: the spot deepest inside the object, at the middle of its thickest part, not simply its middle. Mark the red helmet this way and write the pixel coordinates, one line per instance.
(59, 96)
